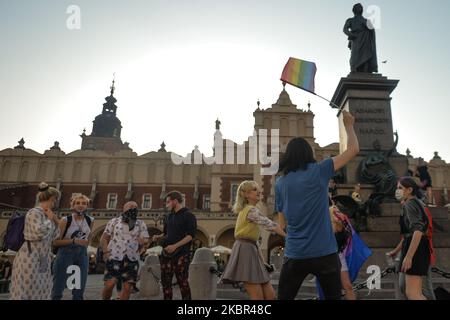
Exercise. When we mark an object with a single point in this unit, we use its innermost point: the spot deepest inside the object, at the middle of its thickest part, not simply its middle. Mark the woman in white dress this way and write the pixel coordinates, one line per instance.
(31, 274)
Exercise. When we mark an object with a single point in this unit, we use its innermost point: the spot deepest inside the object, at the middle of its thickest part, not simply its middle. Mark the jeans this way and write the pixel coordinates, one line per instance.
(69, 255)
(327, 269)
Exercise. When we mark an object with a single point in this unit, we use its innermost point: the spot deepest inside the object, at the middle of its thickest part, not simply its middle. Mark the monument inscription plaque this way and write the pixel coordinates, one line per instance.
(367, 97)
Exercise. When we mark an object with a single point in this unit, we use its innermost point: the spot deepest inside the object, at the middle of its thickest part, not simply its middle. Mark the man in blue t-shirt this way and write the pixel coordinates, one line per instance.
(301, 199)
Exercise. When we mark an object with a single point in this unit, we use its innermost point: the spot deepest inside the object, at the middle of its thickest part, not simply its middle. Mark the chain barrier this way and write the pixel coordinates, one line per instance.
(356, 287)
(158, 279)
(234, 284)
(363, 285)
(440, 272)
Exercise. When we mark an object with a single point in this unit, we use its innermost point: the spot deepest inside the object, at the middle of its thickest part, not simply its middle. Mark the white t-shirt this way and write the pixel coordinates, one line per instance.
(78, 229)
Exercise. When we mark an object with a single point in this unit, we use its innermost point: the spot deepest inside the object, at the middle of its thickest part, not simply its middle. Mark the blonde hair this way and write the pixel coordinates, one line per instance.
(78, 196)
(46, 192)
(241, 201)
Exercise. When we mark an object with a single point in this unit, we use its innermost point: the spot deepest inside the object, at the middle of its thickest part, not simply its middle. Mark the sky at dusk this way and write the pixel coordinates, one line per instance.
(180, 65)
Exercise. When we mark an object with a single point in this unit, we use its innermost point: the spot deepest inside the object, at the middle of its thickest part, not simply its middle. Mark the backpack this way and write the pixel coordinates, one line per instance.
(14, 237)
(69, 222)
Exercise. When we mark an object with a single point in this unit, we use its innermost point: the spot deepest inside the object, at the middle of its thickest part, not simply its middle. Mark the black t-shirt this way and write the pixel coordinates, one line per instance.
(177, 226)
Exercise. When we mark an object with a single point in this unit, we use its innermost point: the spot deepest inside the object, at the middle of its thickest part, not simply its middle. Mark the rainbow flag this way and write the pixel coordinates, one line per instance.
(299, 73)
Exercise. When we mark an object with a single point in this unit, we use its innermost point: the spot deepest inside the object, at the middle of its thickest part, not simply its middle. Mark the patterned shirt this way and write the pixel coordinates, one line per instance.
(124, 242)
(254, 215)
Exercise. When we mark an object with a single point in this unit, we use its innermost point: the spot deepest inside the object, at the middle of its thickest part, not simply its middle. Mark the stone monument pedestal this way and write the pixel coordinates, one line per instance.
(368, 98)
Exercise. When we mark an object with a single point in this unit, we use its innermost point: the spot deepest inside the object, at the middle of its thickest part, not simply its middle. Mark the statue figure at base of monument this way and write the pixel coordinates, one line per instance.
(375, 169)
(361, 36)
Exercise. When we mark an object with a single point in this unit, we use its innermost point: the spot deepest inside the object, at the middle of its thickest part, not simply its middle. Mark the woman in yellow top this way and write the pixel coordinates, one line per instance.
(246, 263)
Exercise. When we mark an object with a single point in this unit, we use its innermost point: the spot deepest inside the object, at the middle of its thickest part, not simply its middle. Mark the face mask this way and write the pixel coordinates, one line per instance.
(130, 217)
(79, 213)
(399, 194)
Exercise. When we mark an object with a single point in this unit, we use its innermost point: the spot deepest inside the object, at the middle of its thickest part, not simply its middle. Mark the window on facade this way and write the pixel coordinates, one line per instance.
(111, 202)
(233, 192)
(206, 202)
(146, 201)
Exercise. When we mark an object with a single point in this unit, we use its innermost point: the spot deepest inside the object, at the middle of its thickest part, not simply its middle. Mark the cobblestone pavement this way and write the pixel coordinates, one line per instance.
(94, 289)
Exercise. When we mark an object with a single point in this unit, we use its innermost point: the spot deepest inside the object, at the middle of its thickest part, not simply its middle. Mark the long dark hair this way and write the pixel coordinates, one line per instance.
(409, 182)
(297, 156)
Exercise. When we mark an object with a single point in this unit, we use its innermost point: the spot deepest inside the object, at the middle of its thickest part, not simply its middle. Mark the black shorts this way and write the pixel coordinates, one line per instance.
(124, 270)
(421, 259)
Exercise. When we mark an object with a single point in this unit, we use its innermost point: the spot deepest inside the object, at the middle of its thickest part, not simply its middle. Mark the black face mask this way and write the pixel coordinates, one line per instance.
(130, 217)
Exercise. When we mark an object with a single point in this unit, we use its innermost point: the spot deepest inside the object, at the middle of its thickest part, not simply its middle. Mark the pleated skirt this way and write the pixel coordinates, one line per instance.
(245, 264)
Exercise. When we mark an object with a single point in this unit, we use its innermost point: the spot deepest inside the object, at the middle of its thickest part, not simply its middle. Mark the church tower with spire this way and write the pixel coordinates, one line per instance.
(106, 128)
(290, 120)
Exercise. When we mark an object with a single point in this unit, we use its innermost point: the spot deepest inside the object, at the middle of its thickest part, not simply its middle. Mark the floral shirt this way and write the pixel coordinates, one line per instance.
(124, 242)
(254, 215)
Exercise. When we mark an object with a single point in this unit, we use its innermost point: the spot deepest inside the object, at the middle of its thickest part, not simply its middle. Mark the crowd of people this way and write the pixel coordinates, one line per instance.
(51, 245)
(318, 237)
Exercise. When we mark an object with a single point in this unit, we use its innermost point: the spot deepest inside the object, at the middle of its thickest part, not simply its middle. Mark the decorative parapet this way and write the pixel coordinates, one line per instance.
(155, 215)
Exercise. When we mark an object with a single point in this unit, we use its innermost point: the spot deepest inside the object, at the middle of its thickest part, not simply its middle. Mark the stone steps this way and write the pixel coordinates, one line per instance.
(383, 224)
(391, 224)
(391, 209)
(390, 239)
(308, 289)
(439, 213)
(395, 209)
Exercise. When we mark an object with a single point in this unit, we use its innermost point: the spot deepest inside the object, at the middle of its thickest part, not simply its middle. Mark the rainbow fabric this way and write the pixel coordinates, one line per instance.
(299, 73)
(356, 253)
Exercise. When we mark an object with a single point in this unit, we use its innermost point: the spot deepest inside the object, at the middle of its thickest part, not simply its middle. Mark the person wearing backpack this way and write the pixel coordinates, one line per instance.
(72, 248)
(31, 273)
(427, 284)
(415, 245)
